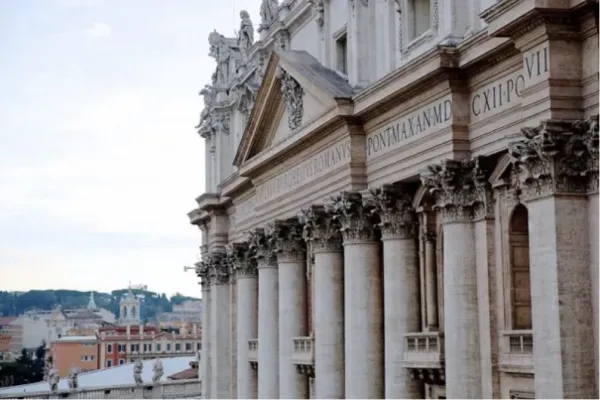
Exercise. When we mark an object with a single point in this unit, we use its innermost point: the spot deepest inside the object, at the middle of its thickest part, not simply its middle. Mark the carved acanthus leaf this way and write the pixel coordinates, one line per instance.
(460, 188)
(288, 241)
(321, 229)
(556, 157)
(242, 259)
(357, 222)
(393, 205)
(262, 247)
(293, 99)
(219, 270)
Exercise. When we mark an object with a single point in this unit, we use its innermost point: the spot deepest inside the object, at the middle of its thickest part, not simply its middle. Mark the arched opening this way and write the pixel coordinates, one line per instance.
(520, 278)
(124, 312)
(133, 312)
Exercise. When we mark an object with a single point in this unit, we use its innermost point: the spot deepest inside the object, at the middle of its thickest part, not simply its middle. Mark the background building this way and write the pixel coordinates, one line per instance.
(81, 351)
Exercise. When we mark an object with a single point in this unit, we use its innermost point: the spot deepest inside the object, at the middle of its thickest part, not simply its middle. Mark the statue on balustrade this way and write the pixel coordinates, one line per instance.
(157, 370)
(246, 38)
(73, 377)
(268, 12)
(138, 367)
(221, 52)
(53, 379)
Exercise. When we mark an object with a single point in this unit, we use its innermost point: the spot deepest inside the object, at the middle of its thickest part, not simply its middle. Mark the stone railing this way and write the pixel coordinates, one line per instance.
(253, 350)
(304, 351)
(424, 350)
(516, 351)
(190, 388)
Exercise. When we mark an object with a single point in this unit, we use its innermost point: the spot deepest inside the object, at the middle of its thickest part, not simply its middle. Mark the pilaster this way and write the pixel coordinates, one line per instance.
(555, 166)
(393, 205)
(360, 43)
(363, 300)
(321, 230)
(460, 191)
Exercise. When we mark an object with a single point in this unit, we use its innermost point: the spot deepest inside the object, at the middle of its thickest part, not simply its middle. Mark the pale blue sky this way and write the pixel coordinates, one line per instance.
(99, 161)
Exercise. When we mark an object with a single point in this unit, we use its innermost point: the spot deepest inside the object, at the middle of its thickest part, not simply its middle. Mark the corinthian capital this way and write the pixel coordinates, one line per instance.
(460, 188)
(393, 204)
(356, 219)
(287, 238)
(321, 229)
(202, 272)
(242, 259)
(219, 268)
(262, 247)
(556, 157)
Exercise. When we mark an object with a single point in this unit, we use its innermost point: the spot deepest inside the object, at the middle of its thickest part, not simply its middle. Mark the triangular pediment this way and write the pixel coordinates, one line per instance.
(295, 91)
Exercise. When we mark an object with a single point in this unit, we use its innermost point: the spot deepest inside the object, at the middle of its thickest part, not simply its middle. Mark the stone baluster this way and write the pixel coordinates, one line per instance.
(363, 300)
(322, 231)
(202, 270)
(244, 265)
(291, 262)
(220, 326)
(555, 167)
(398, 226)
(268, 315)
(456, 186)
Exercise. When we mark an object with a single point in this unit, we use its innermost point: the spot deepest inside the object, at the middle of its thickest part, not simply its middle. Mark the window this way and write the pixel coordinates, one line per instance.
(135, 347)
(177, 346)
(341, 54)
(148, 347)
(122, 348)
(158, 347)
(198, 346)
(87, 358)
(188, 347)
(121, 361)
(419, 17)
(108, 363)
(519, 269)
(168, 346)
(109, 348)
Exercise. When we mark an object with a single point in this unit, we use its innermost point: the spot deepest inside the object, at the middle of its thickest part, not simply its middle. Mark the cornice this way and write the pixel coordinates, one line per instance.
(236, 185)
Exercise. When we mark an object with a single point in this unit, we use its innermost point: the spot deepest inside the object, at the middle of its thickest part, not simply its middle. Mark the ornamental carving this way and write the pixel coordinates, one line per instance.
(292, 98)
(356, 219)
(202, 272)
(219, 270)
(460, 188)
(242, 260)
(319, 7)
(268, 12)
(365, 3)
(222, 53)
(397, 216)
(262, 247)
(321, 229)
(556, 157)
(246, 34)
(287, 237)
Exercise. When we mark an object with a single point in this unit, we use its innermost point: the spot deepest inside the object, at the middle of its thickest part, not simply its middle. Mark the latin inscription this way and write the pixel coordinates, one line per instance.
(421, 122)
(497, 96)
(305, 172)
(536, 65)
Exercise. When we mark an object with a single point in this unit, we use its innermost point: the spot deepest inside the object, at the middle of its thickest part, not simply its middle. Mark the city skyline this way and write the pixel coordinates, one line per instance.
(100, 161)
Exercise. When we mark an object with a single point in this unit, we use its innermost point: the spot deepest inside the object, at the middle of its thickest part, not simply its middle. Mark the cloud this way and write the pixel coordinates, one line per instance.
(99, 30)
(79, 3)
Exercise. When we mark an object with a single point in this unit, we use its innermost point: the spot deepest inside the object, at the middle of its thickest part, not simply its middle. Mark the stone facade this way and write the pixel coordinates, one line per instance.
(385, 177)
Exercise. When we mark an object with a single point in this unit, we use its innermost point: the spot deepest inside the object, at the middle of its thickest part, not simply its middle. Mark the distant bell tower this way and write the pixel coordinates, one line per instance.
(129, 309)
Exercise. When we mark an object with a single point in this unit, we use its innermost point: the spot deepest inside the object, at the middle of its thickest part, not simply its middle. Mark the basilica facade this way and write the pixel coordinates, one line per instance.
(402, 201)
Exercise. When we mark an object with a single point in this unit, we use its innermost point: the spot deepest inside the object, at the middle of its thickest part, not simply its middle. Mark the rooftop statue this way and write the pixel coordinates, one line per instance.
(138, 367)
(246, 38)
(53, 379)
(268, 12)
(73, 377)
(157, 370)
(221, 52)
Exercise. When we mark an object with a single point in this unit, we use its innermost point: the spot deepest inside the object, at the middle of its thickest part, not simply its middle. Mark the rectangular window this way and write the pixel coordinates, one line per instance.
(168, 346)
(188, 347)
(122, 348)
(109, 348)
(198, 346)
(177, 346)
(420, 18)
(158, 347)
(149, 347)
(341, 54)
(108, 363)
(121, 361)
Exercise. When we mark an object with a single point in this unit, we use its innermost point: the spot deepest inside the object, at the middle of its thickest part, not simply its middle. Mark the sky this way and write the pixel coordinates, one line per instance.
(99, 159)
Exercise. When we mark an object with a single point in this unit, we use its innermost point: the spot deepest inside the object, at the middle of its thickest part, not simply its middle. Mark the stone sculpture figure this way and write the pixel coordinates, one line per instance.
(73, 377)
(138, 367)
(221, 53)
(157, 370)
(246, 39)
(268, 12)
(292, 98)
(53, 379)
(209, 101)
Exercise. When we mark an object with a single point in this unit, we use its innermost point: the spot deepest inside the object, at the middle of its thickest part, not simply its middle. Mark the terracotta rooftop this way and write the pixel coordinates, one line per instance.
(190, 373)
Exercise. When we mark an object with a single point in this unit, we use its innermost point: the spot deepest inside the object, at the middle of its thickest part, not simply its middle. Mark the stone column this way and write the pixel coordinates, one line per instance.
(220, 327)
(268, 313)
(291, 261)
(363, 299)
(401, 302)
(322, 231)
(431, 283)
(459, 190)
(247, 316)
(555, 164)
(203, 273)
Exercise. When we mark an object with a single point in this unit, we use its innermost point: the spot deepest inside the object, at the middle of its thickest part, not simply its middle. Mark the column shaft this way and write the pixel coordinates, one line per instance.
(292, 323)
(329, 324)
(593, 244)
(463, 368)
(431, 285)
(401, 314)
(220, 346)
(268, 332)
(247, 328)
(206, 350)
(363, 330)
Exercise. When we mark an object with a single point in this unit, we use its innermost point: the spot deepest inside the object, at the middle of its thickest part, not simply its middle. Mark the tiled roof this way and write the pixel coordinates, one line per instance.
(190, 373)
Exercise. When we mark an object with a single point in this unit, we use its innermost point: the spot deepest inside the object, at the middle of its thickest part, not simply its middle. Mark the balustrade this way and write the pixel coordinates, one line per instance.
(304, 352)
(253, 350)
(424, 350)
(516, 351)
